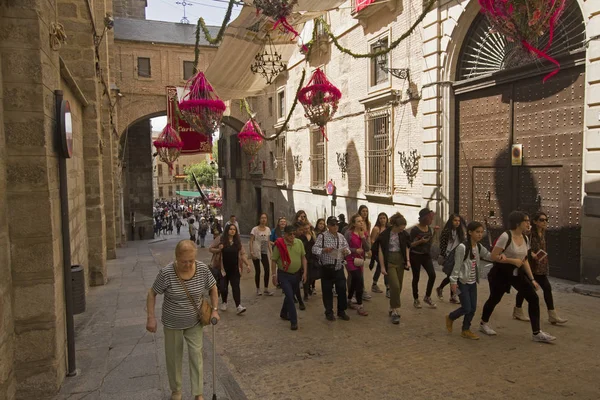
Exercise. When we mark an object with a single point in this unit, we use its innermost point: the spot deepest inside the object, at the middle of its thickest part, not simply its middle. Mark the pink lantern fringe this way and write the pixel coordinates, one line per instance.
(250, 139)
(201, 107)
(320, 99)
(168, 145)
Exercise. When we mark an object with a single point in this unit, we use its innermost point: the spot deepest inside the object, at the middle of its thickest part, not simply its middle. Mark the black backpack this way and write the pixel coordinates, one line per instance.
(448, 265)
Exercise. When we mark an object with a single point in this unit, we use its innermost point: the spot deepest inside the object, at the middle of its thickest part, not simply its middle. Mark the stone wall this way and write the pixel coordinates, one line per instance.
(7, 376)
(138, 189)
(76, 185)
(130, 8)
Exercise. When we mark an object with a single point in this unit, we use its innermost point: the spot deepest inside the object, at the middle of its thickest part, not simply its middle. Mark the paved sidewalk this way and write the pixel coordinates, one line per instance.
(116, 356)
(259, 358)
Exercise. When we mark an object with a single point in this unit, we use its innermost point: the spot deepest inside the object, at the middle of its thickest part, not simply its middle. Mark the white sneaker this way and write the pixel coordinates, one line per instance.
(353, 301)
(366, 296)
(543, 337)
(223, 306)
(485, 328)
(241, 309)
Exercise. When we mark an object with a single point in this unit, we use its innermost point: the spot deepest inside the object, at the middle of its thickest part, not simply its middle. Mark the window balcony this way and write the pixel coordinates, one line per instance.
(363, 9)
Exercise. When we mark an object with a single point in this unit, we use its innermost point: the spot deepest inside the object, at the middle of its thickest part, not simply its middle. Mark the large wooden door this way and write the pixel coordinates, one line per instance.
(547, 119)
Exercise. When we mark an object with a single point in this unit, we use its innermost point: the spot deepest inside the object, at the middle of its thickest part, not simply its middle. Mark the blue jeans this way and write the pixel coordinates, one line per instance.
(468, 304)
(288, 283)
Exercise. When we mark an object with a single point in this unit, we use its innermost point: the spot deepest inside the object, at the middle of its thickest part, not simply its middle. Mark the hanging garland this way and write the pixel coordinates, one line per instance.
(525, 21)
(392, 46)
(202, 25)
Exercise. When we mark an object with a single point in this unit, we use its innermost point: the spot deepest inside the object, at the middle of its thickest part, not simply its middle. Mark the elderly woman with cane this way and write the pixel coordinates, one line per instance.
(183, 283)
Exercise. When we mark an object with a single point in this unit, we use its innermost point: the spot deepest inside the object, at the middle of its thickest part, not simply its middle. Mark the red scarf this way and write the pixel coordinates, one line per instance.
(283, 253)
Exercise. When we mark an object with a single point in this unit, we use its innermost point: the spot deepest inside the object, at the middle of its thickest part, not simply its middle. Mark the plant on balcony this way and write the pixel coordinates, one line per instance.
(320, 99)
(168, 146)
(525, 22)
(201, 107)
(251, 138)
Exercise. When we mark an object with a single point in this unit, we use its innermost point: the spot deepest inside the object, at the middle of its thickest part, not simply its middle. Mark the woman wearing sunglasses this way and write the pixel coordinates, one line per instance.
(538, 259)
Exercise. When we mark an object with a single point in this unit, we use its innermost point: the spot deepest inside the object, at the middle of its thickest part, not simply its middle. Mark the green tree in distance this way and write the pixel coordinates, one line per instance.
(204, 173)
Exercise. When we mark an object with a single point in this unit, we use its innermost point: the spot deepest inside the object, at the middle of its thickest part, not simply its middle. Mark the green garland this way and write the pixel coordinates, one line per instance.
(394, 44)
(202, 25)
(287, 119)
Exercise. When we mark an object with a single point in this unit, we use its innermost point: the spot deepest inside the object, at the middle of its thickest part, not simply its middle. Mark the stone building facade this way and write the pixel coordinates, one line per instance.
(384, 119)
(97, 74)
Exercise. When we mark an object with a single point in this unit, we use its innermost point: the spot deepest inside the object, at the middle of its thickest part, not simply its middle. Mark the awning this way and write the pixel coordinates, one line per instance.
(229, 72)
(187, 193)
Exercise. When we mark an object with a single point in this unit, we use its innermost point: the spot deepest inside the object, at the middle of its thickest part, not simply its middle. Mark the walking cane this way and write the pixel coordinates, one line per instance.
(213, 322)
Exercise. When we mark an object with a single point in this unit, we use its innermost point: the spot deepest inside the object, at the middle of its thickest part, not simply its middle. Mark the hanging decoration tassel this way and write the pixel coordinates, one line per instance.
(168, 145)
(320, 99)
(525, 22)
(201, 107)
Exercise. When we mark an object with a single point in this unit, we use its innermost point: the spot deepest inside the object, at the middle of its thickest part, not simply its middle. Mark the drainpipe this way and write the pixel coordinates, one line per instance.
(66, 242)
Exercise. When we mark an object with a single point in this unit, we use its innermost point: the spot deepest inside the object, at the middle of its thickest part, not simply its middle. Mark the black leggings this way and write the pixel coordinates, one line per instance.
(445, 282)
(416, 261)
(498, 287)
(357, 285)
(544, 283)
(232, 277)
(265, 262)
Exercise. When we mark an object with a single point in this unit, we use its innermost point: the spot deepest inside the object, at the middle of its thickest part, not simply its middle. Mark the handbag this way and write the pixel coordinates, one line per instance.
(205, 309)
(359, 262)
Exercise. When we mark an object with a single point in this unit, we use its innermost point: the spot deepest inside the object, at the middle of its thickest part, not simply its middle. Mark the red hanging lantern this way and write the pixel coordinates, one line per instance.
(251, 138)
(168, 146)
(201, 107)
(320, 99)
(525, 22)
(279, 11)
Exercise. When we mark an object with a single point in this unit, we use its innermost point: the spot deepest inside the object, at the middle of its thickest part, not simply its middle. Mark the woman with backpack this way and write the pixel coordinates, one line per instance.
(513, 271)
(452, 235)
(464, 277)
(538, 259)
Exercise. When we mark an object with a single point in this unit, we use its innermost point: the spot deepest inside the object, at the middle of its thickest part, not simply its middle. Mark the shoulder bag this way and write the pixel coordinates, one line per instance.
(205, 309)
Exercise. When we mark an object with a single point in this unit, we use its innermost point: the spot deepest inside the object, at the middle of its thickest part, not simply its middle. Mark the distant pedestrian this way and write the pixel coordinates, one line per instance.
(394, 258)
(278, 231)
(202, 231)
(452, 235)
(288, 258)
(260, 250)
(538, 259)
(178, 225)
(215, 261)
(420, 256)
(331, 248)
(357, 238)
(464, 278)
(192, 230)
(342, 225)
(183, 283)
(232, 221)
(380, 225)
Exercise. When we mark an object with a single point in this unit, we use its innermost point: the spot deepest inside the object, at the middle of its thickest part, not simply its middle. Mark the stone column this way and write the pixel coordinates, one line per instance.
(7, 376)
(79, 56)
(590, 220)
(30, 73)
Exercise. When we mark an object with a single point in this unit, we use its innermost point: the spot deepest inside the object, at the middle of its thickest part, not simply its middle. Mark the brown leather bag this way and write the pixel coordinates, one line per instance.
(205, 310)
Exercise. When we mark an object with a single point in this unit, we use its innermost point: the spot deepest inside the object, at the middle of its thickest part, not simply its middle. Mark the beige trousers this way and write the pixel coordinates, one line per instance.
(174, 339)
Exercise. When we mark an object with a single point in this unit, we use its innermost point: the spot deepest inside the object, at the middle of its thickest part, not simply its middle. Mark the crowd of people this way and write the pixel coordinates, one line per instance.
(295, 255)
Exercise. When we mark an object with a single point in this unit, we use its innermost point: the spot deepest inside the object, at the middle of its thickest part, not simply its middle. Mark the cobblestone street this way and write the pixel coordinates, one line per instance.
(367, 357)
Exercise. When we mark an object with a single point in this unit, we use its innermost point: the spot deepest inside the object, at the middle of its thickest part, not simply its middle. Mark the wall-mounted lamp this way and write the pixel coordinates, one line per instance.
(342, 160)
(410, 164)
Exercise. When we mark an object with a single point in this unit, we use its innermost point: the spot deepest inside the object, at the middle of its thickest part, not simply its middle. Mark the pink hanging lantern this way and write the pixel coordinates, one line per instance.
(279, 11)
(168, 146)
(320, 99)
(251, 138)
(201, 107)
(525, 22)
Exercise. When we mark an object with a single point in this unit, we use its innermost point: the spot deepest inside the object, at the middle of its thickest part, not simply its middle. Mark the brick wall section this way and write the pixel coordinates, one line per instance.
(7, 376)
(590, 221)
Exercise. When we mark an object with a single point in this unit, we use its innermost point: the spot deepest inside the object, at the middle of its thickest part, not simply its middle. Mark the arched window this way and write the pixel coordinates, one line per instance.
(485, 52)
